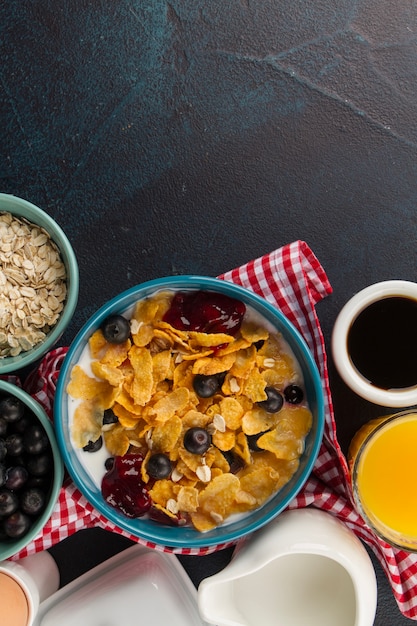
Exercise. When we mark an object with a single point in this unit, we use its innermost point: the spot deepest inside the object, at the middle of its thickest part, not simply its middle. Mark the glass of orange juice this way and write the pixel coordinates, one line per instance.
(383, 461)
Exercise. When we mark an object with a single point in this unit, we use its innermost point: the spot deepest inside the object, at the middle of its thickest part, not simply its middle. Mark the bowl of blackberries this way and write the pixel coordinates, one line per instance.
(31, 469)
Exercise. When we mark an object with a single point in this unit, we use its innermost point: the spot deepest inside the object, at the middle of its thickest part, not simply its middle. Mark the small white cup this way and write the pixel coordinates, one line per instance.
(399, 397)
(38, 577)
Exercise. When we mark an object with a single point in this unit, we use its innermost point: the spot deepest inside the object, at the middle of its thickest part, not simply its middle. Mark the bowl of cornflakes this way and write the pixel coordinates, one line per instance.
(189, 411)
(31, 469)
(38, 283)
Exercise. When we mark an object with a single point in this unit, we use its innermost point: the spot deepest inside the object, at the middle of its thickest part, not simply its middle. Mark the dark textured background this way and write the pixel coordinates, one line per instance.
(191, 136)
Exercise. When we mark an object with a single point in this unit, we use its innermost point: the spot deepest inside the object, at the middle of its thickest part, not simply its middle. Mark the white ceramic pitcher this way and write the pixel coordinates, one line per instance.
(306, 567)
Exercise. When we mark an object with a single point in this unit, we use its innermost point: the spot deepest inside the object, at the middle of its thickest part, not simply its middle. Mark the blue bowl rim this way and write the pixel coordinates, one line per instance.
(160, 534)
(10, 364)
(13, 547)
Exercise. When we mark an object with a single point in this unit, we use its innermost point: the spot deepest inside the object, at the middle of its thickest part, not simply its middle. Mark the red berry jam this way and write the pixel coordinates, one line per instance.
(123, 488)
(156, 515)
(205, 312)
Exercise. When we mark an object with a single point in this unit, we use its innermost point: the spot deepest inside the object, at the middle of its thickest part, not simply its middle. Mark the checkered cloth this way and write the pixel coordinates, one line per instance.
(292, 279)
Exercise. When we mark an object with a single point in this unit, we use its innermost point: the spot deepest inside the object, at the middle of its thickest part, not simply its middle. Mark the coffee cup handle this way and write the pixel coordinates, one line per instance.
(43, 569)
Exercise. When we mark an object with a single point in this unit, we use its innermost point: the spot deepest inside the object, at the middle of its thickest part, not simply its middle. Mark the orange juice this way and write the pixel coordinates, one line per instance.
(384, 479)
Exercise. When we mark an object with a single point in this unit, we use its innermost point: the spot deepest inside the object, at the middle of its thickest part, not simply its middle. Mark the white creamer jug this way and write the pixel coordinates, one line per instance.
(306, 567)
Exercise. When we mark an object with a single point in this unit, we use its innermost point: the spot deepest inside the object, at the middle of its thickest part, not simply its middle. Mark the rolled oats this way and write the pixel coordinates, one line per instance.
(32, 285)
(219, 423)
(204, 473)
(172, 506)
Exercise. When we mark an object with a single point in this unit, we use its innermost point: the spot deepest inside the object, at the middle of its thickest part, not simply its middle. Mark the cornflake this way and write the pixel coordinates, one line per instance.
(148, 383)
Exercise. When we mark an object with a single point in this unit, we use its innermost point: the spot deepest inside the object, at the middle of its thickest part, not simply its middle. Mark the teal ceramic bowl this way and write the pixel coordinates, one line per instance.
(185, 537)
(23, 209)
(9, 547)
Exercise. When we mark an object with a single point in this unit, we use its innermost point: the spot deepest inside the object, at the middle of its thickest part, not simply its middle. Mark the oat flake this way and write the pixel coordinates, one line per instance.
(32, 285)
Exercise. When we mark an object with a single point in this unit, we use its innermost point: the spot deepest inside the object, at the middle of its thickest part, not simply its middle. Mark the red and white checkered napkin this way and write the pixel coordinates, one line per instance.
(292, 279)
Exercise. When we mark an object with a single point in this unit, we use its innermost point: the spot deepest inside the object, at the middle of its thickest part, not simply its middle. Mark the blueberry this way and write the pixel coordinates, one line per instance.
(274, 400)
(32, 501)
(3, 427)
(13, 461)
(159, 466)
(253, 442)
(109, 417)
(40, 482)
(293, 394)
(236, 463)
(116, 329)
(3, 536)
(11, 409)
(22, 425)
(221, 376)
(2, 474)
(16, 477)
(14, 444)
(206, 386)
(94, 446)
(35, 439)
(39, 464)
(108, 463)
(3, 449)
(8, 502)
(197, 440)
(16, 525)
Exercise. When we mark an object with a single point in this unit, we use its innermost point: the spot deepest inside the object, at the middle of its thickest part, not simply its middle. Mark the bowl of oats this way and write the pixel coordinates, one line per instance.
(38, 283)
(189, 411)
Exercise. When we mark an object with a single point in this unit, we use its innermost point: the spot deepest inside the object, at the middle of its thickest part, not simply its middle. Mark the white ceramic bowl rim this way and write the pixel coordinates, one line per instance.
(187, 537)
(351, 376)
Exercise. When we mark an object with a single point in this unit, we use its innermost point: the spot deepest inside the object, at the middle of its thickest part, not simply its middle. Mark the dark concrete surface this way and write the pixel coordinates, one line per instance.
(191, 136)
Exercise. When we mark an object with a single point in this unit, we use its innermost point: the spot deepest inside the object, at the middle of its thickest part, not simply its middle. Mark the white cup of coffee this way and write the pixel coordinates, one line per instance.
(374, 343)
(24, 585)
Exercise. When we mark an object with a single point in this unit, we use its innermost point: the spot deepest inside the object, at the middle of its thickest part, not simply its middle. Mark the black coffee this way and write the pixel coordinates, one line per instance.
(382, 343)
